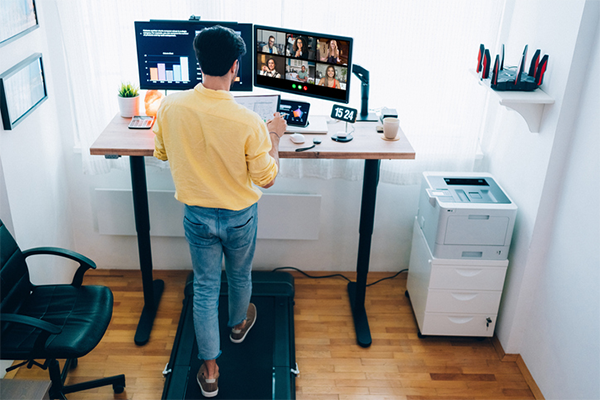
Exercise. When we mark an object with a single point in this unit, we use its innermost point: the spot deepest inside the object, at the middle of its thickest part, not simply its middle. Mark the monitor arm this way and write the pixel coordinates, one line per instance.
(363, 75)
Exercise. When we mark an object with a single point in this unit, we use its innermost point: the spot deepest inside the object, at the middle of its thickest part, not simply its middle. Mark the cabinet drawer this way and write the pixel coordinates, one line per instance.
(459, 324)
(476, 278)
(463, 301)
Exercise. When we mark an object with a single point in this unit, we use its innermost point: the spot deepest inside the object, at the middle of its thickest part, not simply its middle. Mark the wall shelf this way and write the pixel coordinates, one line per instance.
(529, 104)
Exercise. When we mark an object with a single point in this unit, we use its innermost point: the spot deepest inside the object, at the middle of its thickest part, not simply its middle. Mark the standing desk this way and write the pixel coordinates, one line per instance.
(117, 140)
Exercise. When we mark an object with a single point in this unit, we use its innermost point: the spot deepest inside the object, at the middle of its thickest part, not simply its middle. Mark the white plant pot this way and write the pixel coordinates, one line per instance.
(129, 106)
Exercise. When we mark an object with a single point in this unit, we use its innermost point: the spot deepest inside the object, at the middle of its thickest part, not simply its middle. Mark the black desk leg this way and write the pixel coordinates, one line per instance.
(356, 290)
(152, 289)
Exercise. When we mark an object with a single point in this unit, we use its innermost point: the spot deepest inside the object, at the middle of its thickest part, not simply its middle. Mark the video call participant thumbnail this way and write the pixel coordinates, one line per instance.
(270, 46)
(330, 78)
(300, 47)
(333, 51)
(300, 71)
(303, 74)
(271, 42)
(271, 66)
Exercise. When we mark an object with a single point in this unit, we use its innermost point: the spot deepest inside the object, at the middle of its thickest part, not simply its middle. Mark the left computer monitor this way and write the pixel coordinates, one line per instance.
(166, 58)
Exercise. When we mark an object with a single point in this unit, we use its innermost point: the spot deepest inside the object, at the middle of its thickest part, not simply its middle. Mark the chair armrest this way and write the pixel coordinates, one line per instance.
(26, 320)
(84, 262)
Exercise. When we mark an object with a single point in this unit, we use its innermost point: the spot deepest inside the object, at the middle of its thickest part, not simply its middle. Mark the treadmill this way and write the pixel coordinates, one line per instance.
(262, 367)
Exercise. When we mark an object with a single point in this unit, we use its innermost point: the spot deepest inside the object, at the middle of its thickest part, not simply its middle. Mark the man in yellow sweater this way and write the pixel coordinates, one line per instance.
(218, 150)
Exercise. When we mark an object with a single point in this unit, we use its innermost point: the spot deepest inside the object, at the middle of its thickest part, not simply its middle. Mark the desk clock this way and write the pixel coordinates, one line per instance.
(342, 113)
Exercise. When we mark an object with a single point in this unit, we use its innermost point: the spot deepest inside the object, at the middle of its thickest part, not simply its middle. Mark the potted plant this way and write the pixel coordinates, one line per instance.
(129, 100)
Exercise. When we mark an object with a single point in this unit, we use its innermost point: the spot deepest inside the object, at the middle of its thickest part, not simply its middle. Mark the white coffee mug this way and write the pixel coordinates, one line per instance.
(390, 127)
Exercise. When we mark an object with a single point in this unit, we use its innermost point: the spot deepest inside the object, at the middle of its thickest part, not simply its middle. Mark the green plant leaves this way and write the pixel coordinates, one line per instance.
(128, 90)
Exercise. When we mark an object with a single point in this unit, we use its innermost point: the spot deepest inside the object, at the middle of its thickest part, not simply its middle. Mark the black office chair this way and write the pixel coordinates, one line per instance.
(51, 322)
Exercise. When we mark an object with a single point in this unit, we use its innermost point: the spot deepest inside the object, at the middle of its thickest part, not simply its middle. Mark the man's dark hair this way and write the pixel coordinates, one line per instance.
(217, 48)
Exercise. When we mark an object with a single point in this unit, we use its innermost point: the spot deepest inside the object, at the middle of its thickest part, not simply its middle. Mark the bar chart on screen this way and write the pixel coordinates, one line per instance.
(170, 68)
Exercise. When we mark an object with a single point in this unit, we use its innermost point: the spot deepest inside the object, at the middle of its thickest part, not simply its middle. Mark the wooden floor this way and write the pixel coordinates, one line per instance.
(398, 365)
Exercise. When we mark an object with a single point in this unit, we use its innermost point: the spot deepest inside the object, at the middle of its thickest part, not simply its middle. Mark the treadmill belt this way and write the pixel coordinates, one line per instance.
(261, 367)
(246, 368)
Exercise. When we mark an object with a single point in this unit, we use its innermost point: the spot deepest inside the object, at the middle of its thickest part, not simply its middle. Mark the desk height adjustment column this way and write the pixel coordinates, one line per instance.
(357, 290)
(153, 289)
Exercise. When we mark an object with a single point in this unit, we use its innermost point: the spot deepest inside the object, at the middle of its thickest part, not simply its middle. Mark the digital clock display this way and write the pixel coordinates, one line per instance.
(343, 113)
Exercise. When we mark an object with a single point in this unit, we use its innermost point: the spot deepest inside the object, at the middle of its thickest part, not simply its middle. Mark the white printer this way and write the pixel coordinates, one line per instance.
(465, 216)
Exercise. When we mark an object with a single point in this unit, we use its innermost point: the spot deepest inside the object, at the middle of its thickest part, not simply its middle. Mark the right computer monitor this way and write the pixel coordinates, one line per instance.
(306, 63)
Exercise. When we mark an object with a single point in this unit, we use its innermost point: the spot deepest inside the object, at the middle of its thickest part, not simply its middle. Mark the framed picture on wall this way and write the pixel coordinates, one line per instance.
(22, 90)
(17, 18)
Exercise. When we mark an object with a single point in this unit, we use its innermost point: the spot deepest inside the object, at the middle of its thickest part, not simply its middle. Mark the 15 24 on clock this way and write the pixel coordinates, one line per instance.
(342, 113)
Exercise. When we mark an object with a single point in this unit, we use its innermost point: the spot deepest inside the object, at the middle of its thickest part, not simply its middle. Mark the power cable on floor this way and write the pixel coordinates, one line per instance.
(338, 275)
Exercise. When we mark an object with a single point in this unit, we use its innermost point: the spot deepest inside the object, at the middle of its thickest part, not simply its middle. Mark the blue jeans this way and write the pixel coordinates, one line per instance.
(213, 233)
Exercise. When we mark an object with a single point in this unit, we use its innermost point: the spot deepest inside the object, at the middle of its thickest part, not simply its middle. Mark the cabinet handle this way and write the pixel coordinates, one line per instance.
(464, 296)
(460, 320)
(468, 272)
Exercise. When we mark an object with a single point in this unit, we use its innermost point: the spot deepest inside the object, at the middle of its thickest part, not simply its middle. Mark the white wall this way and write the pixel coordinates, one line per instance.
(551, 282)
(561, 346)
(5, 214)
(33, 161)
(519, 158)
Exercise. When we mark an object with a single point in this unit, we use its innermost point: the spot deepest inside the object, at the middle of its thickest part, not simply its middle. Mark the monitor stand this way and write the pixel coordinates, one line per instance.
(316, 124)
(363, 75)
(370, 117)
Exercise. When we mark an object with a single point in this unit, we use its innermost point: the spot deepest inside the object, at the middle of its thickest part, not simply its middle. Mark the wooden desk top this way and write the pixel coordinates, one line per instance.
(118, 139)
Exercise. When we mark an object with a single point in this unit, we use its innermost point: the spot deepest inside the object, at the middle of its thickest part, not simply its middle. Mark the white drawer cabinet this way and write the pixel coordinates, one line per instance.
(461, 277)
(461, 301)
(453, 297)
(459, 324)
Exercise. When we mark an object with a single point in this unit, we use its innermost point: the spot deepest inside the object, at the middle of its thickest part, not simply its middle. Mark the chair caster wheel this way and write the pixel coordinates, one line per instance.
(74, 363)
(118, 388)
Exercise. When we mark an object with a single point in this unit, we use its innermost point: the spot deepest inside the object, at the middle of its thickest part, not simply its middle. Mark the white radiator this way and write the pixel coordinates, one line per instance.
(280, 216)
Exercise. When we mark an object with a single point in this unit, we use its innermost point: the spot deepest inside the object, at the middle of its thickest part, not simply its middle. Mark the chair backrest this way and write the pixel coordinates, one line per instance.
(15, 284)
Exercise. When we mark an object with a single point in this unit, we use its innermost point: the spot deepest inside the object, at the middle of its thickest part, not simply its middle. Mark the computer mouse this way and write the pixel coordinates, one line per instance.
(297, 138)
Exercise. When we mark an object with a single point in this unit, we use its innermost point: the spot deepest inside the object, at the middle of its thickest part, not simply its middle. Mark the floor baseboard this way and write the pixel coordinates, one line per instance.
(537, 393)
(500, 351)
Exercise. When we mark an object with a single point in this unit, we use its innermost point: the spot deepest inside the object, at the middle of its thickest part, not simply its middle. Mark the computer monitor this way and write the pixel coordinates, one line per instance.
(306, 63)
(166, 58)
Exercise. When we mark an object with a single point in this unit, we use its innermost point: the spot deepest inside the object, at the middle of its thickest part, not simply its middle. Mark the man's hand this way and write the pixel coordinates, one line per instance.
(277, 125)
